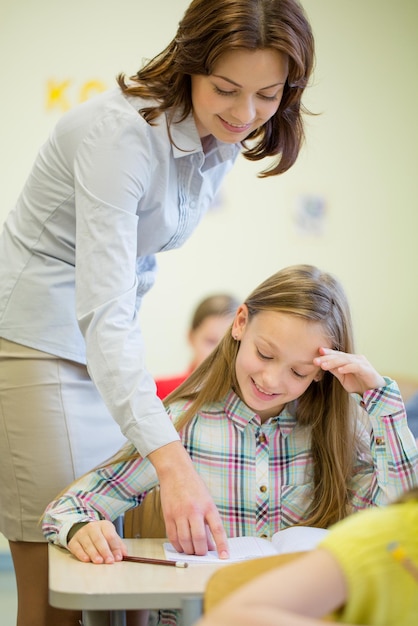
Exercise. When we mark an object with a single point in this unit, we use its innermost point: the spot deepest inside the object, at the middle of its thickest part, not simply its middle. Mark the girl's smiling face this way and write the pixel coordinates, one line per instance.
(242, 93)
(274, 363)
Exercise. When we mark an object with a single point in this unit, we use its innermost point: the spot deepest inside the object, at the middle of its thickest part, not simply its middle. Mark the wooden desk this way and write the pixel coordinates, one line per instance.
(96, 589)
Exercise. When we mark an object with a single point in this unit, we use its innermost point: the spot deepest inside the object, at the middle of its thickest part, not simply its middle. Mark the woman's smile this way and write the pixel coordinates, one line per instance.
(235, 128)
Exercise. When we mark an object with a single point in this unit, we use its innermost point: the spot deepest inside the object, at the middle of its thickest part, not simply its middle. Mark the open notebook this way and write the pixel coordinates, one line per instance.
(295, 539)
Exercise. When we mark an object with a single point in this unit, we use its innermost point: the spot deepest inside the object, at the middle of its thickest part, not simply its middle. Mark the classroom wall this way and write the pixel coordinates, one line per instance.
(348, 205)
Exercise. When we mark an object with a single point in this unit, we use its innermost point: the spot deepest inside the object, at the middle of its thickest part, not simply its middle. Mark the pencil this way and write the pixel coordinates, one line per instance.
(142, 559)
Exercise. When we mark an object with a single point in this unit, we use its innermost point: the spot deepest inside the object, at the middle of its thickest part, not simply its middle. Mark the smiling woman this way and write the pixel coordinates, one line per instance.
(265, 32)
(122, 177)
(243, 91)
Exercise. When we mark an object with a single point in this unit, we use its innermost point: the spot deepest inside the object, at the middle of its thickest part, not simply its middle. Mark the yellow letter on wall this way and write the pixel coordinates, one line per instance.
(56, 97)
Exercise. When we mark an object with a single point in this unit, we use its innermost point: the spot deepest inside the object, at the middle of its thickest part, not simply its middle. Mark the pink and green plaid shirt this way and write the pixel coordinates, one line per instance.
(260, 475)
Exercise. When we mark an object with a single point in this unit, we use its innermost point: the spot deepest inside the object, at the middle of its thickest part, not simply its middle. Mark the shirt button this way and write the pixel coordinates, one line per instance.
(262, 438)
(380, 441)
(192, 204)
(263, 488)
(264, 536)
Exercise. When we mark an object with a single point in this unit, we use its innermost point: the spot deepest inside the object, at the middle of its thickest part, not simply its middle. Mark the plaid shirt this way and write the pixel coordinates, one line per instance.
(259, 475)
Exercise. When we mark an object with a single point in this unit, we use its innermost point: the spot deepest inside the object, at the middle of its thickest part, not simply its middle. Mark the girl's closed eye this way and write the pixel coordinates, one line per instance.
(264, 356)
(298, 375)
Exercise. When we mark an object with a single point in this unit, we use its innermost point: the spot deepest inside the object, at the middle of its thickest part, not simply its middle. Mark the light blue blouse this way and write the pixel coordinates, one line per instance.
(107, 191)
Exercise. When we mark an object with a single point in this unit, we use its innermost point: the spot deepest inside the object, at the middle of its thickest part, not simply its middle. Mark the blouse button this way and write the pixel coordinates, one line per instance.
(263, 488)
(262, 438)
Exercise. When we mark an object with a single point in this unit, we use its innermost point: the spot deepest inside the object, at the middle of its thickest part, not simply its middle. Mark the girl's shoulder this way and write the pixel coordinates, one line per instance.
(177, 409)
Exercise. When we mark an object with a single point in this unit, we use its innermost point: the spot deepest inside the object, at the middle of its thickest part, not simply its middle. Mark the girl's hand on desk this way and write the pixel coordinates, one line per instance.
(354, 371)
(97, 542)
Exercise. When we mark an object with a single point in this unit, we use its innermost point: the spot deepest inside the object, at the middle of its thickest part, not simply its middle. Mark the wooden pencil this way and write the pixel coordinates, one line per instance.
(142, 559)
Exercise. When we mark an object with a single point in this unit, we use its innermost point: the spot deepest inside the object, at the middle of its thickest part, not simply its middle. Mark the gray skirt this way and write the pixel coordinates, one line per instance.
(54, 427)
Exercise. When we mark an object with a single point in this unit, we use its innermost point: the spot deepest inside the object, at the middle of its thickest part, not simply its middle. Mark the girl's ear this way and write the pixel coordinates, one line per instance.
(240, 322)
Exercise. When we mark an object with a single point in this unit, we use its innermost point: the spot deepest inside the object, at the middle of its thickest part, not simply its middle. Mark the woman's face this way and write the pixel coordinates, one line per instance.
(242, 93)
(274, 363)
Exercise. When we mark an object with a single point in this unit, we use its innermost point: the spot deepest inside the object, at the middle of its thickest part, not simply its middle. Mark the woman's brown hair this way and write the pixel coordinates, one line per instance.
(210, 28)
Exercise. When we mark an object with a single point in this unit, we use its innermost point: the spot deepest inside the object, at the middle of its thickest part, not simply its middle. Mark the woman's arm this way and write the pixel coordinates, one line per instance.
(115, 266)
(191, 517)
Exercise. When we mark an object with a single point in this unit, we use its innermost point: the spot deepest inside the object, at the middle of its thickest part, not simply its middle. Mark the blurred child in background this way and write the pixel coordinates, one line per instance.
(209, 323)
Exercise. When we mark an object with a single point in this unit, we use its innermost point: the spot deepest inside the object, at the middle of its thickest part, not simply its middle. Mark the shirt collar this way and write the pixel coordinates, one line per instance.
(186, 140)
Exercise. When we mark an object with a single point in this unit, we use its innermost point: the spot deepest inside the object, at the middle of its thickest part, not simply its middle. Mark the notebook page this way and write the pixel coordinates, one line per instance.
(240, 549)
(298, 539)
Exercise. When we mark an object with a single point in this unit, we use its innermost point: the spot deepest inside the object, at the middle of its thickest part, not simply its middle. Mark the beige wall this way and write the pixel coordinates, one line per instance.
(360, 158)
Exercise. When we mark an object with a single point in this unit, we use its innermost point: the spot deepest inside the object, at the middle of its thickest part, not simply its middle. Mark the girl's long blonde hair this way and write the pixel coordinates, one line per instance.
(325, 407)
(210, 28)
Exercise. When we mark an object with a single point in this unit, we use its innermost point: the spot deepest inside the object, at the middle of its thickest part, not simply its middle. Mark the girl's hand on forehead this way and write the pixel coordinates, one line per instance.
(354, 371)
